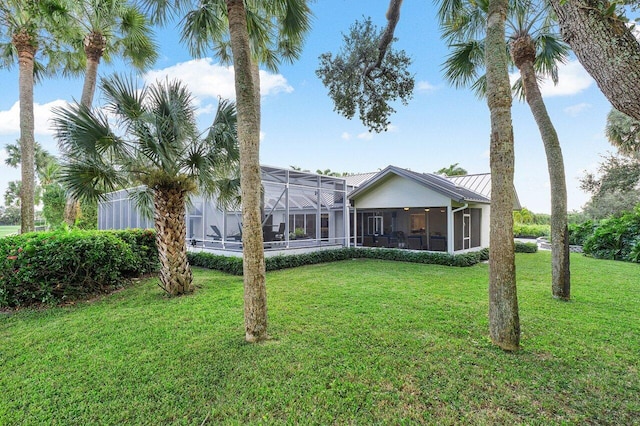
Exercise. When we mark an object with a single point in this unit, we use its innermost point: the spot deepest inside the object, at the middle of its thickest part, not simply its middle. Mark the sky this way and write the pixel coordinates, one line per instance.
(440, 126)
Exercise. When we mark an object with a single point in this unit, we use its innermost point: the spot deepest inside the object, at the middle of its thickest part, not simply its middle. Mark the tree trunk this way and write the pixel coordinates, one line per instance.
(606, 48)
(94, 47)
(26, 48)
(504, 322)
(248, 107)
(560, 274)
(171, 232)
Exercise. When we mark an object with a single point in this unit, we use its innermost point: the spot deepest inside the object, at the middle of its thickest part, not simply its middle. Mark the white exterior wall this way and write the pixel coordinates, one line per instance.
(399, 192)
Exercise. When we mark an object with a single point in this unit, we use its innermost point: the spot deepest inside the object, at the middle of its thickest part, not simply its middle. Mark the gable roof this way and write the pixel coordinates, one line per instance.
(439, 184)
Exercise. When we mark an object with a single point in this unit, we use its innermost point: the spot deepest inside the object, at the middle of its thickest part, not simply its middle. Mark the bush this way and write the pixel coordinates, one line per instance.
(579, 232)
(526, 247)
(521, 230)
(50, 267)
(616, 238)
(233, 265)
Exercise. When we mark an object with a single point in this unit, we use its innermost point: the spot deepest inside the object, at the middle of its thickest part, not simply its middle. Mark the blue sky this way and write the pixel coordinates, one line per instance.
(440, 126)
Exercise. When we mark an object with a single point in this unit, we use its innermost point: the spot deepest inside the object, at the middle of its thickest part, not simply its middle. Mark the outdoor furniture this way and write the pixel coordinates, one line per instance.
(415, 242)
(368, 241)
(279, 235)
(217, 235)
(438, 243)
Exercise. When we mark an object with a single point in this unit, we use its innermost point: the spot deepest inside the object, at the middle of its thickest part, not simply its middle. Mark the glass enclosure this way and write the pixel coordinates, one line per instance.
(300, 209)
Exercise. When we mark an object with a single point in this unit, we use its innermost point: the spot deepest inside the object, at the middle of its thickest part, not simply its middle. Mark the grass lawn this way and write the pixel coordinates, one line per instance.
(353, 342)
(9, 229)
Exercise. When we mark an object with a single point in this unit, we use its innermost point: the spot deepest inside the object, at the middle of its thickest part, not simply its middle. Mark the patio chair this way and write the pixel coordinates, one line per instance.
(217, 235)
(279, 235)
(415, 242)
(368, 241)
(382, 241)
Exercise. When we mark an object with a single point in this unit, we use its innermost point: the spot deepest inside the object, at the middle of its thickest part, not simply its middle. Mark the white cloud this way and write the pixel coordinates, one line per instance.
(575, 110)
(365, 136)
(346, 136)
(262, 135)
(10, 119)
(425, 86)
(572, 79)
(206, 79)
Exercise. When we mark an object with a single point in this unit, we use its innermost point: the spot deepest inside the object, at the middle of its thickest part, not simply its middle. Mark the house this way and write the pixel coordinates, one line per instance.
(401, 208)
(305, 211)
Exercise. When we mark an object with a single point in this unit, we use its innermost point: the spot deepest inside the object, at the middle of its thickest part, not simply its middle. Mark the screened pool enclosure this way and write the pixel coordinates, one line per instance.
(301, 210)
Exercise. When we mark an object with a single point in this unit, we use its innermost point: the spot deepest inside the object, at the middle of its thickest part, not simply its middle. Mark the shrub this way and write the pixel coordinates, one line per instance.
(579, 232)
(50, 267)
(233, 265)
(526, 247)
(616, 238)
(521, 230)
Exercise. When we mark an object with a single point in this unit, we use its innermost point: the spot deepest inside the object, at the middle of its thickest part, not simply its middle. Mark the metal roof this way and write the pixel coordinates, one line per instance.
(434, 182)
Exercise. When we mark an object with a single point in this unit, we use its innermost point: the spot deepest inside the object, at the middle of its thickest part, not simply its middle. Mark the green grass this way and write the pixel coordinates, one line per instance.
(9, 229)
(353, 342)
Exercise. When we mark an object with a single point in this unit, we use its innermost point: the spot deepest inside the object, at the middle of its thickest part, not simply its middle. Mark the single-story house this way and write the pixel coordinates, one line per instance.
(304, 211)
(401, 208)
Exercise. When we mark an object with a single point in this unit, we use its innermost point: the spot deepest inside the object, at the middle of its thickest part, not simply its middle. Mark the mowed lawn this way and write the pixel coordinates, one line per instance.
(353, 342)
(9, 229)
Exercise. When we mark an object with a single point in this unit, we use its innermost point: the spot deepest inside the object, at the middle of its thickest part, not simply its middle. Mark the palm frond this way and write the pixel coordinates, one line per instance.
(465, 62)
(203, 27)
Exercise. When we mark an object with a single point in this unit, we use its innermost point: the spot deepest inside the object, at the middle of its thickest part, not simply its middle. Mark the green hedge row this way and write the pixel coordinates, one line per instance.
(50, 267)
(233, 265)
(523, 230)
(526, 247)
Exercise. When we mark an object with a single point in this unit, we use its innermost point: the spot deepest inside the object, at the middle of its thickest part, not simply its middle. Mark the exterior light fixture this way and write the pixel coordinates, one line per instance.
(426, 210)
(406, 209)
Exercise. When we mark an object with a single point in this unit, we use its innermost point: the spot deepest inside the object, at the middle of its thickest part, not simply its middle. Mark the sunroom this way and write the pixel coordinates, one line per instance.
(301, 211)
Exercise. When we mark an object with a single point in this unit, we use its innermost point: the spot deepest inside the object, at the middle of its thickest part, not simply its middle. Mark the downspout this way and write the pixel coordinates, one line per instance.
(450, 241)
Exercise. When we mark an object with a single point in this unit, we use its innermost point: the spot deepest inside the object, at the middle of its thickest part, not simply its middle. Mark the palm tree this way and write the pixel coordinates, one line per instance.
(452, 170)
(623, 132)
(26, 27)
(161, 149)
(246, 33)
(536, 50)
(504, 321)
(113, 28)
(106, 29)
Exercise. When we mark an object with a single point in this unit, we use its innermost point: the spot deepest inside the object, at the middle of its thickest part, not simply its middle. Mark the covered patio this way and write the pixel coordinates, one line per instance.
(398, 208)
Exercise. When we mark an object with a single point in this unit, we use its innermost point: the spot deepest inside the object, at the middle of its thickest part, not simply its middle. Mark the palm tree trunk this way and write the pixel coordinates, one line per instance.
(504, 322)
(606, 48)
(560, 273)
(248, 107)
(72, 206)
(26, 48)
(171, 231)
(90, 79)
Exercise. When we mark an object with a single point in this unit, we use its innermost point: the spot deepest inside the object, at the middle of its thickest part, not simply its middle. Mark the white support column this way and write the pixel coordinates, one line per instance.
(450, 230)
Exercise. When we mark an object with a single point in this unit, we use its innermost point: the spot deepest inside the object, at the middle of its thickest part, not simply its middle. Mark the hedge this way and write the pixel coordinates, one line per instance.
(521, 230)
(51, 267)
(233, 265)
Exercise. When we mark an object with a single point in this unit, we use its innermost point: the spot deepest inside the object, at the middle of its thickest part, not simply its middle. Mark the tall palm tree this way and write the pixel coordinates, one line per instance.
(535, 49)
(160, 148)
(504, 320)
(108, 29)
(27, 29)
(246, 33)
